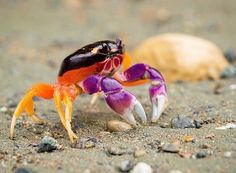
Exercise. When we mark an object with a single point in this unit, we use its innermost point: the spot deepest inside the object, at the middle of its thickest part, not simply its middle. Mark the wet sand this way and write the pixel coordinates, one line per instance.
(36, 36)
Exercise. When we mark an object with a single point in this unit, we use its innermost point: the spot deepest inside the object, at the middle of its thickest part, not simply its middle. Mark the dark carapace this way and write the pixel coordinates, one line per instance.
(91, 54)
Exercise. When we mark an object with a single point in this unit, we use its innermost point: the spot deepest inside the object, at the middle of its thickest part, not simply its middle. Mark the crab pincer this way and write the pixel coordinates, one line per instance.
(118, 99)
(142, 73)
(157, 93)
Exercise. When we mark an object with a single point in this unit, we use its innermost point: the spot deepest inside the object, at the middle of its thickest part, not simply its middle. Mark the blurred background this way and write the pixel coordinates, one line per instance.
(36, 35)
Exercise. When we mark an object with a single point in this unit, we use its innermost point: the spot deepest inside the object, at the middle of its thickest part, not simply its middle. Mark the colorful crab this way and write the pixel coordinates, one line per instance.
(93, 69)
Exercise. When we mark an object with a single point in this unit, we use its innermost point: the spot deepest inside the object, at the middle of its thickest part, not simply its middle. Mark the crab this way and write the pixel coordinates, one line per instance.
(94, 69)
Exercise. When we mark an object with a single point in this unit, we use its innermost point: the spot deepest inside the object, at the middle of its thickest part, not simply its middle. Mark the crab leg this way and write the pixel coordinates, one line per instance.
(26, 104)
(66, 115)
(30, 111)
(57, 101)
(142, 73)
(121, 101)
(94, 99)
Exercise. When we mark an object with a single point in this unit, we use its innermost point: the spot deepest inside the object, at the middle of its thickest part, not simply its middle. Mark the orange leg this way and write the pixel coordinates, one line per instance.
(26, 104)
(65, 94)
(57, 101)
(65, 116)
(68, 117)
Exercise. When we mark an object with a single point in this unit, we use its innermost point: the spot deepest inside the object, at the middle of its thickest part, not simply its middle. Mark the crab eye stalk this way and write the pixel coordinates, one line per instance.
(119, 43)
(105, 48)
(120, 46)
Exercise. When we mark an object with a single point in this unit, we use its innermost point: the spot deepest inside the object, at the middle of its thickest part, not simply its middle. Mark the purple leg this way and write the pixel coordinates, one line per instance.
(157, 90)
(117, 98)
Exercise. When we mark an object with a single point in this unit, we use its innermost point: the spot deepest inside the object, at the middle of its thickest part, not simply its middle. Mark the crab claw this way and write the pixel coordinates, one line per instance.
(124, 103)
(129, 117)
(158, 96)
(141, 113)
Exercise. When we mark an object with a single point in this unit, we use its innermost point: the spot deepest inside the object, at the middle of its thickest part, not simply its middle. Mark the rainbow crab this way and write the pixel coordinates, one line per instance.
(93, 69)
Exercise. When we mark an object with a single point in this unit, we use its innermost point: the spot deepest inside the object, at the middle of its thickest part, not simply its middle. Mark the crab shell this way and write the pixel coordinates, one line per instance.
(181, 57)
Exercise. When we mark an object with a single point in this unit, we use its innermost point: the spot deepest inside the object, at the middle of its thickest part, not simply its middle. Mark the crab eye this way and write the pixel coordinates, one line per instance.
(105, 48)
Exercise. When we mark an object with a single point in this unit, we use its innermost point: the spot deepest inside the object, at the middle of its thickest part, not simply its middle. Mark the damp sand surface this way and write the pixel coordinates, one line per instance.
(35, 36)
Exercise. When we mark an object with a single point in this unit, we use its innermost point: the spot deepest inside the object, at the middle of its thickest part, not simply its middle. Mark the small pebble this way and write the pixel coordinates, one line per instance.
(185, 154)
(209, 120)
(228, 154)
(230, 55)
(182, 122)
(115, 150)
(155, 145)
(103, 133)
(228, 72)
(85, 143)
(189, 138)
(171, 148)
(118, 126)
(48, 144)
(164, 125)
(23, 170)
(3, 109)
(218, 89)
(139, 152)
(206, 146)
(142, 167)
(126, 166)
(11, 103)
(201, 154)
(33, 144)
(198, 123)
(87, 171)
(210, 136)
(232, 87)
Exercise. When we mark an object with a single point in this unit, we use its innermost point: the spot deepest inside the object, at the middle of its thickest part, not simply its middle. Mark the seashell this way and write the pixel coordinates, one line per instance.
(118, 126)
(181, 57)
